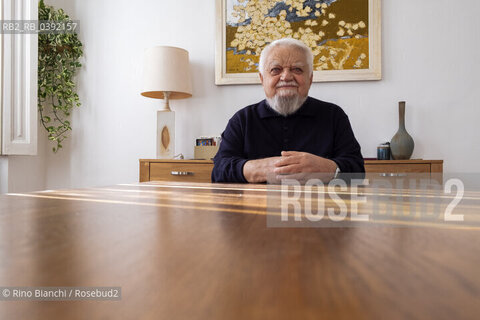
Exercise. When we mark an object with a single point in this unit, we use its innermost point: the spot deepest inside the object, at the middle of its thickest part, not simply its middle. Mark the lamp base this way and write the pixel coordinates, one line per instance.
(165, 134)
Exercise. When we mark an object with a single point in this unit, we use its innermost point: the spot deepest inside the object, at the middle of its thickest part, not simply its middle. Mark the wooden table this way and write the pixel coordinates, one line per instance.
(203, 251)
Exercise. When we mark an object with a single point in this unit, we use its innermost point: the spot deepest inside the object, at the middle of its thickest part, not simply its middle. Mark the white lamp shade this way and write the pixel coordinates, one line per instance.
(166, 69)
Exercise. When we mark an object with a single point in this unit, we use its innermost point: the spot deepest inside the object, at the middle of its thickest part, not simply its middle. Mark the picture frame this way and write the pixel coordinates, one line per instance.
(335, 59)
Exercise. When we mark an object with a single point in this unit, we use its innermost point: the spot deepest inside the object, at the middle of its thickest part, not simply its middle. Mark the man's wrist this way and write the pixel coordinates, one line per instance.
(253, 171)
(337, 171)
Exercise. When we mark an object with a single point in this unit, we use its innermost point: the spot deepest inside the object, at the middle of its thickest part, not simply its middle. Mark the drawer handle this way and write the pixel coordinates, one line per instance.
(182, 173)
(393, 174)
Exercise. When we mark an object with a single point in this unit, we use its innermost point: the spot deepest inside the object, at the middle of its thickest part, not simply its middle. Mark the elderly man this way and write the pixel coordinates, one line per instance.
(288, 133)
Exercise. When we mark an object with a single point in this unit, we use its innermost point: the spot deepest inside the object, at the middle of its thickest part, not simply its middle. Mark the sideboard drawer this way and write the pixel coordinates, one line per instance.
(176, 170)
(403, 167)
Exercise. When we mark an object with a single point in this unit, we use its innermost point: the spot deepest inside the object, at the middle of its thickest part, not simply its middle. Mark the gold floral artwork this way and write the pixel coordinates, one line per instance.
(335, 30)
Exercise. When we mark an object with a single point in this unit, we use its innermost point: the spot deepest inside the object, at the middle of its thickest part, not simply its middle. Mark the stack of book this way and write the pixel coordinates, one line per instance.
(206, 147)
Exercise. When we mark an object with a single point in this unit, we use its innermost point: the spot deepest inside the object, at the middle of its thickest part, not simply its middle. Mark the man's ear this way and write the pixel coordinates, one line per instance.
(261, 77)
(311, 78)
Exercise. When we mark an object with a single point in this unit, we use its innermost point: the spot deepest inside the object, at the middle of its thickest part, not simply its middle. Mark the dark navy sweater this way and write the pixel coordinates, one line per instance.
(257, 131)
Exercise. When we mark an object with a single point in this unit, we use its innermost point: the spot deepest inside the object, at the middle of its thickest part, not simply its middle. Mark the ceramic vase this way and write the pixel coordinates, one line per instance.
(402, 144)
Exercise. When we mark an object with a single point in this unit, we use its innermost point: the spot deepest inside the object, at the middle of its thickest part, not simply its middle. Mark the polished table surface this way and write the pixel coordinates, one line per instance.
(204, 251)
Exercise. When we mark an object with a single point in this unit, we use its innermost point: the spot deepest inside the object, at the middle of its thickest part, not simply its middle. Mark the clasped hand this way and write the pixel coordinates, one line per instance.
(303, 166)
(290, 165)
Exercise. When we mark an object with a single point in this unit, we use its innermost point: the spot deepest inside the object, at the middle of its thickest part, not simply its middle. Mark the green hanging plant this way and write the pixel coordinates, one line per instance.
(58, 62)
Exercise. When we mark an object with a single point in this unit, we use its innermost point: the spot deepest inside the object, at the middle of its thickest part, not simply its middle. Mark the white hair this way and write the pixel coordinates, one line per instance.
(286, 42)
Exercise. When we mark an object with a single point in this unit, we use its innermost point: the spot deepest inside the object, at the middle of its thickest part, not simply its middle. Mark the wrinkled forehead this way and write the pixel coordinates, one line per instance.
(286, 56)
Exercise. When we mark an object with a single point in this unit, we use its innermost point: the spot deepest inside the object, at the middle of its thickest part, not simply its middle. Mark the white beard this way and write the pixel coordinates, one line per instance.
(286, 105)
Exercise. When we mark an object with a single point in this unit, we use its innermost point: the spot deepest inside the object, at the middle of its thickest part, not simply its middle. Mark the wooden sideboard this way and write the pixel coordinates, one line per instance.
(200, 170)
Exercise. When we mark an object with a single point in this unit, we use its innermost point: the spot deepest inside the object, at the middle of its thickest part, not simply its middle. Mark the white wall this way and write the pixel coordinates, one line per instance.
(430, 53)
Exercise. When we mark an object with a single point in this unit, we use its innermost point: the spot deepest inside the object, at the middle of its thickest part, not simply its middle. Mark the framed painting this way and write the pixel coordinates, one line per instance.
(344, 35)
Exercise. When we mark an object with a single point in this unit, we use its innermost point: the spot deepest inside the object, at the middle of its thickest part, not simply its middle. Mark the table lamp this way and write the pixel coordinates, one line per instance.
(166, 76)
